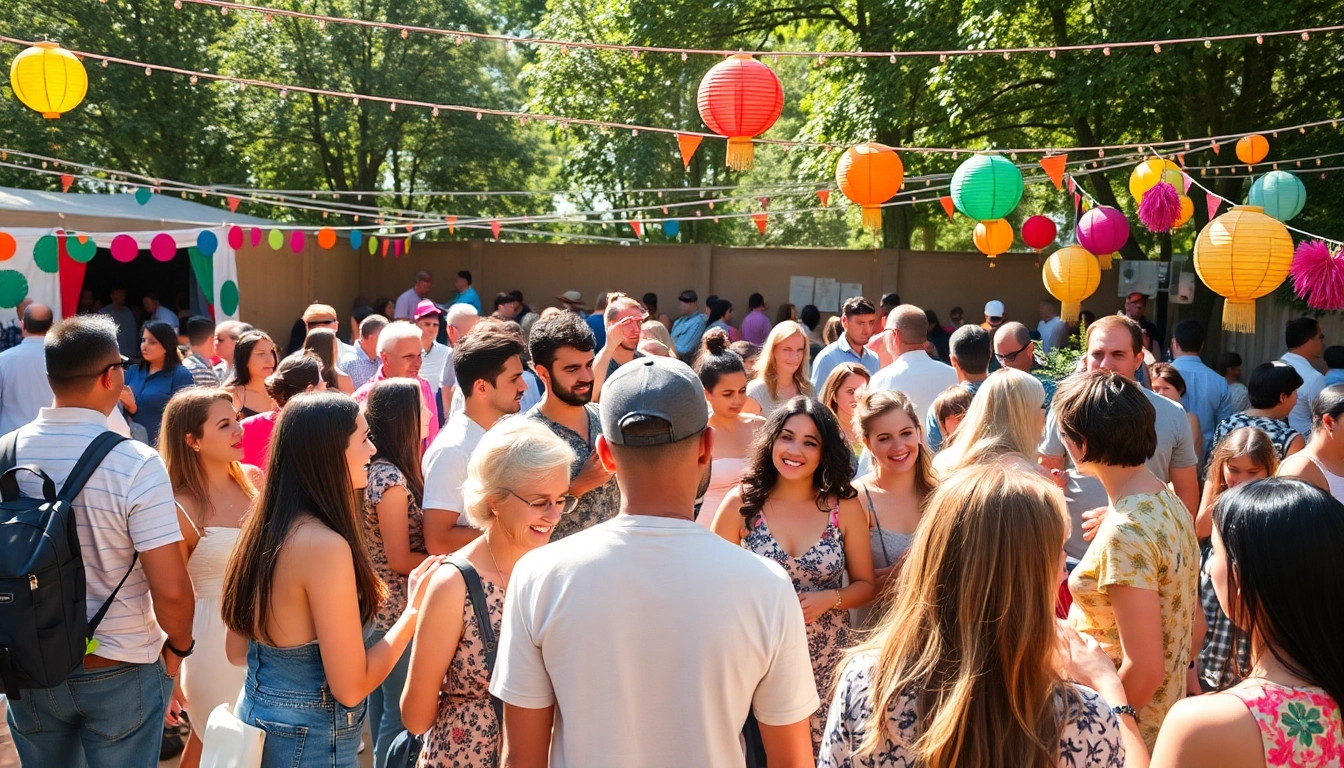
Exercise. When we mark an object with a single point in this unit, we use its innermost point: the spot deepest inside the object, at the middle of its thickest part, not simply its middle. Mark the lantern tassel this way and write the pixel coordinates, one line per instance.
(741, 153)
(1160, 207)
(872, 218)
(1318, 275)
(1104, 262)
(1069, 311)
(1239, 316)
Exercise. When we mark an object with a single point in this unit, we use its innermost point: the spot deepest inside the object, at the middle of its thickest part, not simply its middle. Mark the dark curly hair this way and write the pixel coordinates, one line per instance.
(832, 478)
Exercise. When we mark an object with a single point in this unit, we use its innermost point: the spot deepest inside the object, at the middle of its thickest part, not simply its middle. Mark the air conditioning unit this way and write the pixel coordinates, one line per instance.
(1137, 277)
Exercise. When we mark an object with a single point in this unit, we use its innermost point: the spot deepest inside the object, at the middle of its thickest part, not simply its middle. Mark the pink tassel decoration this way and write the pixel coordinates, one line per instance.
(1160, 208)
(1318, 275)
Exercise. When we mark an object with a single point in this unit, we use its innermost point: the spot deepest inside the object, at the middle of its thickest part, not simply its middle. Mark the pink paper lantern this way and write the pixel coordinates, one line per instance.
(1103, 230)
(296, 241)
(1038, 232)
(163, 247)
(124, 248)
(235, 237)
(256, 236)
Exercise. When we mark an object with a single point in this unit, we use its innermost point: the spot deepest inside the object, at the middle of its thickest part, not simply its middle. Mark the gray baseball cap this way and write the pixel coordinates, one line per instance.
(653, 392)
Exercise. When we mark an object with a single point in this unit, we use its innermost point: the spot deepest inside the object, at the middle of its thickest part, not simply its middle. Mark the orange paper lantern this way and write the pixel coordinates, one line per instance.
(740, 98)
(1252, 149)
(993, 237)
(869, 175)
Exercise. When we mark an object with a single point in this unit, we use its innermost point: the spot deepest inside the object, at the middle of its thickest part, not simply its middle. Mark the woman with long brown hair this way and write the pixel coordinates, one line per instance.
(300, 588)
(840, 393)
(254, 359)
(201, 445)
(322, 342)
(963, 669)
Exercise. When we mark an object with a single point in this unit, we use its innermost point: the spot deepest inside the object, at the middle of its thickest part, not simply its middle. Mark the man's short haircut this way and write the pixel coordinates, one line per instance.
(1334, 356)
(465, 275)
(395, 332)
(503, 298)
(361, 312)
(857, 305)
(1140, 294)
(1225, 361)
(910, 324)
(1189, 334)
(810, 316)
(688, 296)
(1108, 417)
(1270, 382)
(616, 304)
(37, 319)
(199, 329)
(650, 299)
(971, 347)
(549, 334)
(1108, 322)
(1299, 331)
(483, 355)
(371, 325)
(152, 296)
(891, 301)
(423, 275)
(755, 301)
(517, 295)
(1016, 330)
(459, 311)
(77, 349)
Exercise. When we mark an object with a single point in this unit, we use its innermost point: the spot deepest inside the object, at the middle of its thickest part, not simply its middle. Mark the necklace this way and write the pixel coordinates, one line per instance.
(494, 562)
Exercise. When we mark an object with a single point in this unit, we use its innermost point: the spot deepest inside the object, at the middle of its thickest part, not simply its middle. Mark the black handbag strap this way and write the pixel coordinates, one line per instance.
(476, 594)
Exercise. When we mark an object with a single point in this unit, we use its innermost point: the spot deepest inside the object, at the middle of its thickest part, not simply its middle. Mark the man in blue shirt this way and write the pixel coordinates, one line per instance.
(857, 317)
(465, 293)
(156, 311)
(1206, 393)
(688, 328)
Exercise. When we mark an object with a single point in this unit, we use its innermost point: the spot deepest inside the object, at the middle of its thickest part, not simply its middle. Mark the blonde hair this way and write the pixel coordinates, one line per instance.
(999, 421)
(511, 453)
(768, 373)
(1250, 442)
(972, 624)
(185, 416)
(873, 406)
(652, 329)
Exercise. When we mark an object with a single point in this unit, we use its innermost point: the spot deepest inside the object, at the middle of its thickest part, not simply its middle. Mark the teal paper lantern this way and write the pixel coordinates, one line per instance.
(987, 187)
(1280, 193)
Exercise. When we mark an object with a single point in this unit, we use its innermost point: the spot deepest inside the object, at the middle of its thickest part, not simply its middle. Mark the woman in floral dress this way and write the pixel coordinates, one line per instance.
(1275, 568)
(799, 509)
(517, 488)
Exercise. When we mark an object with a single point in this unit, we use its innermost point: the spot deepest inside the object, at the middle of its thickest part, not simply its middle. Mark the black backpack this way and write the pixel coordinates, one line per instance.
(44, 626)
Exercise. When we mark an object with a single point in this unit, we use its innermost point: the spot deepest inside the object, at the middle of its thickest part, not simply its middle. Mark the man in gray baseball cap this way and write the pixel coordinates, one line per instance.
(652, 637)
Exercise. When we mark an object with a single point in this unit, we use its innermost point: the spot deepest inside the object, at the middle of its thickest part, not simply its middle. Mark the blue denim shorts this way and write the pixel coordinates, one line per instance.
(286, 695)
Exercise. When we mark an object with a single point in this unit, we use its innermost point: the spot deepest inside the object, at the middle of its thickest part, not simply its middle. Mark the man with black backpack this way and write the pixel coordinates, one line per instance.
(96, 605)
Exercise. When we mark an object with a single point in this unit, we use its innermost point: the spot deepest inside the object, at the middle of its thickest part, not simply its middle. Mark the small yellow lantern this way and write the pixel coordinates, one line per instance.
(1241, 256)
(1071, 274)
(1150, 173)
(48, 79)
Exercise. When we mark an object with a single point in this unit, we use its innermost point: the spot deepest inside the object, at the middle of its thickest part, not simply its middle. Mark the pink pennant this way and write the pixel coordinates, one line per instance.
(233, 204)
(765, 203)
(1213, 202)
(1186, 181)
(256, 236)
(494, 228)
(1073, 186)
(396, 249)
(1077, 199)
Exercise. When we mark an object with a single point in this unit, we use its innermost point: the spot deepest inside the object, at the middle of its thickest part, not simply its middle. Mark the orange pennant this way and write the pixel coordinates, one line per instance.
(385, 241)
(233, 204)
(452, 225)
(494, 228)
(688, 144)
(638, 226)
(1053, 165)
(760, 219)
(947, 205)
(66, 181)
(824, 195)
(1216, 150)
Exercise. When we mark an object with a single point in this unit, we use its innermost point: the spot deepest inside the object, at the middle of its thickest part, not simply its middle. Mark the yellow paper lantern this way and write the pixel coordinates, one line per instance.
(1071, 274)
(1241, 256)
(1187, 212)
(48, 79)
(993, 237)
(1147, 174)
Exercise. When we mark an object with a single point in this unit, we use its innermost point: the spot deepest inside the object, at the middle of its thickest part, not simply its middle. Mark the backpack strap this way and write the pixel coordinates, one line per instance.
(9, 451)
(88, 462)
(476, 593)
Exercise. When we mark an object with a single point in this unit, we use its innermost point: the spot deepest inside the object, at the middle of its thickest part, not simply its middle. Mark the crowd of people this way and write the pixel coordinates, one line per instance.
(612, 537)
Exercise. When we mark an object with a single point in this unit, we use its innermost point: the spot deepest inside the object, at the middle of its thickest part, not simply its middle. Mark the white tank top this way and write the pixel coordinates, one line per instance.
(1335, 482)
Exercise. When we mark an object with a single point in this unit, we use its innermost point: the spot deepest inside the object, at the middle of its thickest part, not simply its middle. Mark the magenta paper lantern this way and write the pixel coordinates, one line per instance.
(235, 237)
(124, 248)
(1103, 230)
(296, 241)
(163, 247)
(1038, 232)
(256, 236)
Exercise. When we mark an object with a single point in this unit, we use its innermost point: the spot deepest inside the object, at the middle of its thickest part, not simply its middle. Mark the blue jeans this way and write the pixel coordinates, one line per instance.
(286, 695)
(385, 706)
(105, 718)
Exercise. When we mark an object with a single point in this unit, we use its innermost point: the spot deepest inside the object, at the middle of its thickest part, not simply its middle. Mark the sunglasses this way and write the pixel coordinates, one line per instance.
(1009, 357)
(319, 323)
(123, 364)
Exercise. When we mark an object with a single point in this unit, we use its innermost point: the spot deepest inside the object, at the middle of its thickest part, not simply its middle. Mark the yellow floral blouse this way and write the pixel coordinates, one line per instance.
(1146, 541)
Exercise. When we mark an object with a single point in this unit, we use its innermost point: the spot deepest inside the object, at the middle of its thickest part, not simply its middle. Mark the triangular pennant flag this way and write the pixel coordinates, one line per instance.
(452, 225)
(1077, 199)
(824, 195)
(688, 145)
(233, 204)
(66, 181)
(1053, 165)
(1213, 202)
(410, 228)
(1216, 149)
(1186, 181)
(760, 219)
(385, 242)
(396, 249)
(765, 203)
(638, 226)
(1073, 185)
(1180, 159)
(947, 205)
(494, 228)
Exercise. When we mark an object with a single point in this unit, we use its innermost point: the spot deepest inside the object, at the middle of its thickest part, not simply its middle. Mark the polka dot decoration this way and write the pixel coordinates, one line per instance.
(124, 248)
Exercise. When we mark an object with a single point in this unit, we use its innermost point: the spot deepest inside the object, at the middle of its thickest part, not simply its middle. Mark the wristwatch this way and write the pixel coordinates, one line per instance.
(181, 654)
(1125, 709)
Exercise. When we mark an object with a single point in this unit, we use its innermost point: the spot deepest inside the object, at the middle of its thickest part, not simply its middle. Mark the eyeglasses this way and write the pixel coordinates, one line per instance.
(1011, 356)
(567, 503)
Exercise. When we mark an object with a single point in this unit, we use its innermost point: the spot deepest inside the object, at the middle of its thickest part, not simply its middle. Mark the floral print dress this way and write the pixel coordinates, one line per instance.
(1300, 727)
(820, 568)
(384, 475)
(466, 734)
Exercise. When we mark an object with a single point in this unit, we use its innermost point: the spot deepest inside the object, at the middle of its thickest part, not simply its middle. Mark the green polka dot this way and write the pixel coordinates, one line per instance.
(81, 252)
(275, 239)
(228, 298)
(13, 288)
(46, 254)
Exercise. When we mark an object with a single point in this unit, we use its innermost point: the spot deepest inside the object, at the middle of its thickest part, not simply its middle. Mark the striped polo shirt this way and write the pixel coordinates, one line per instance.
(126, 507)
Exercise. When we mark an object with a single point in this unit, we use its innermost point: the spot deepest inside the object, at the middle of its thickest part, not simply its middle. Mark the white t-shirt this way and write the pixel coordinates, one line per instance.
(433, 364)
(1312, 384)
(445, 464)
(916, 375)
(653, 637)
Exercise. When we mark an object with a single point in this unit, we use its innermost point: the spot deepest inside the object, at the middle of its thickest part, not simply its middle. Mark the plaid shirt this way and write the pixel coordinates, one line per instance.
(1215, 667)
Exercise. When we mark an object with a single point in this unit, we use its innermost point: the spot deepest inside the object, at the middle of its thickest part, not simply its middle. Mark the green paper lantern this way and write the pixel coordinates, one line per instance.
(986, 187)
(228, 298)
(13, 288)
(47, 254)
(1280, 193)
(275, 239)
(81, 252)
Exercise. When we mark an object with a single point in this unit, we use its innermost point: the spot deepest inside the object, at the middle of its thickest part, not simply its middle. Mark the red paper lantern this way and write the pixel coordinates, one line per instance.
(740, 98)
(1038, 232)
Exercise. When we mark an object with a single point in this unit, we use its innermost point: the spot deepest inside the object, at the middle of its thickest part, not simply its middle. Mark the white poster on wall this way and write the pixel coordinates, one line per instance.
(849, 291)
(800, 290)
(826, 296)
